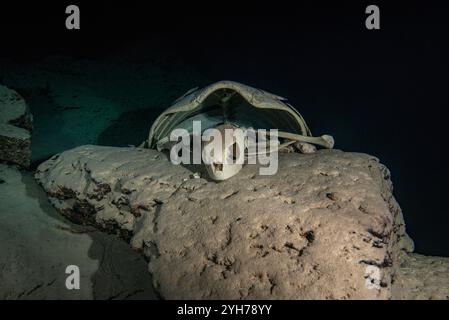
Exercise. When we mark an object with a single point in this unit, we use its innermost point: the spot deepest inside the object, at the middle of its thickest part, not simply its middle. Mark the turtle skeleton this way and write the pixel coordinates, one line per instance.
(231, 105)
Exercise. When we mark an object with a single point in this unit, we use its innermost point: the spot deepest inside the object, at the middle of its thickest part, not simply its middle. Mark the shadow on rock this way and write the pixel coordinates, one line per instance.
(121, 273)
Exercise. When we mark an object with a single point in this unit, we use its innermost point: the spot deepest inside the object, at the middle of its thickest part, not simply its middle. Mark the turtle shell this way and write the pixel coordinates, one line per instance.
(226, 102)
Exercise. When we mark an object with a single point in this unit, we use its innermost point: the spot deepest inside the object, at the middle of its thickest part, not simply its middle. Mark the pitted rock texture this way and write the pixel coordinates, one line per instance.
(15, 128)
(312, 231)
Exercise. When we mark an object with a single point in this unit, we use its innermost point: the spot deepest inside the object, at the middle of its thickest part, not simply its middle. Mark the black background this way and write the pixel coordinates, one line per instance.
(168, 309)
(383, 92)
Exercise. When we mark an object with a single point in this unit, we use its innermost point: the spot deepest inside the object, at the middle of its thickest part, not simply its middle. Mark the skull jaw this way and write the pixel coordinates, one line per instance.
(220, 172)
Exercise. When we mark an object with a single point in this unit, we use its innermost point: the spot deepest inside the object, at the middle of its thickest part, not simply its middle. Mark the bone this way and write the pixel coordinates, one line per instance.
(304, 147)
(326, 141)
(220, 165)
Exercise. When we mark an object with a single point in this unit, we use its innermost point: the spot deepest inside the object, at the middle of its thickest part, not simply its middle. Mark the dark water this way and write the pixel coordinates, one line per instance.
(379, 92)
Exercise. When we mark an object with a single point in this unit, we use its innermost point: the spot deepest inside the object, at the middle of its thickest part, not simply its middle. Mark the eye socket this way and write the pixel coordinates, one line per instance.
(218, 166)
(234, 151)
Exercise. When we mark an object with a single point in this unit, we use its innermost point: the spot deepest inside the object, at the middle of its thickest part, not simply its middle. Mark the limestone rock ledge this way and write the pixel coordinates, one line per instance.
(315, 230)
(15, 128)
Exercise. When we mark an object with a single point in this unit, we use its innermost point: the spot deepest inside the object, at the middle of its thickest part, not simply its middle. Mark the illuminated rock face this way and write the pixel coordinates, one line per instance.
(15, 129)
(326, 226)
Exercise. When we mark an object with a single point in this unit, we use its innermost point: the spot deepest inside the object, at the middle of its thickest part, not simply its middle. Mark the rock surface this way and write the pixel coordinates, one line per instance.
(15, 128)
(326, 226)
(37, 244)
(420, 277)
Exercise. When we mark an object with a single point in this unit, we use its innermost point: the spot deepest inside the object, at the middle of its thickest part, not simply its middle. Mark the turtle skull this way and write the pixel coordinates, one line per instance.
(223, 153)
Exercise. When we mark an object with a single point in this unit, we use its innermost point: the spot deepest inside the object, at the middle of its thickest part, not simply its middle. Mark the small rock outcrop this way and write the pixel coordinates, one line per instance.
(326, 226)
(15, 129)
